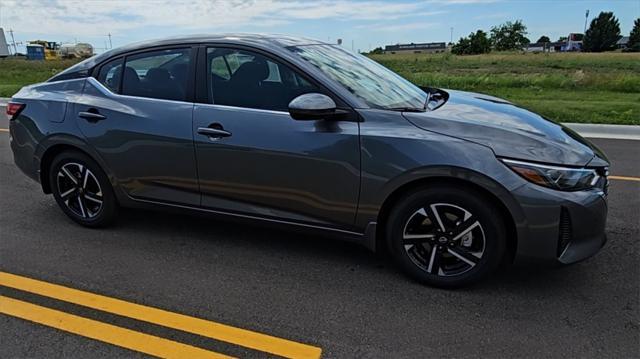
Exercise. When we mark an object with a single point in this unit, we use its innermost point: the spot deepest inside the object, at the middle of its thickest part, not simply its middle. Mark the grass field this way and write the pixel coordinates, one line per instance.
(15, 73)
(569, 87)
(566, 87)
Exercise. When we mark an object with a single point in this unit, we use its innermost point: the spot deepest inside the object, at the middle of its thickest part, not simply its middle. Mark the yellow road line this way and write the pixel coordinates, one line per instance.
(226, 333)
(103, 332)
(625, 178)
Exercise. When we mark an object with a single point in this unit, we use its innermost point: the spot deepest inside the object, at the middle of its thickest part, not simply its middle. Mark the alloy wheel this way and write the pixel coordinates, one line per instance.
(79, 190)
(444, 239)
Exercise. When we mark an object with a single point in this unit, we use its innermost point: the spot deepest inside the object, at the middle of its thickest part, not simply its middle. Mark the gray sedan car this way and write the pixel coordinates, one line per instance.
(297, 132)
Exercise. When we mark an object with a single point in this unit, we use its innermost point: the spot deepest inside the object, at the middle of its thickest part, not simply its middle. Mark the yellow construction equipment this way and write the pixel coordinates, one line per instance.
(51, 49)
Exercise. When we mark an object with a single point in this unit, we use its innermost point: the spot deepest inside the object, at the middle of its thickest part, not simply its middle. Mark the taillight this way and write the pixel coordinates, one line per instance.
(14, 109)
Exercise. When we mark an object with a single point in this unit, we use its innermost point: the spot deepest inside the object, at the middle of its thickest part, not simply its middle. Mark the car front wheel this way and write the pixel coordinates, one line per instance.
(82, 190)
(446, 236)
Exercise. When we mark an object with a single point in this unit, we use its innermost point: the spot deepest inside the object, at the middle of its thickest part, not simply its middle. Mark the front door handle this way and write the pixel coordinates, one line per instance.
(213, 132)
(91, 115)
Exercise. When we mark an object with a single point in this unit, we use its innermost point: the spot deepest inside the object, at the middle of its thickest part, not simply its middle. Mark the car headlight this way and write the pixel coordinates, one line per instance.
(559, 178)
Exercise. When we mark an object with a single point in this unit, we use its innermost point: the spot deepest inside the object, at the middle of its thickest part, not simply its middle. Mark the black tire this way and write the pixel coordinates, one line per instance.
(80, 196)
(406, 225)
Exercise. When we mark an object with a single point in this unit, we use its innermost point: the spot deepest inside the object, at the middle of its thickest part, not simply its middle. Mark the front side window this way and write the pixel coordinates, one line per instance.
(159, 74)
(110, 74)
(378, 86)
(247, 79)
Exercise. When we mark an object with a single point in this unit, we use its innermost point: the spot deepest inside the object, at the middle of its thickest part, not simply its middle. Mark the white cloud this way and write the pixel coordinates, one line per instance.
(99, 17)
(400, 27)
(410, 26)
(456, 2)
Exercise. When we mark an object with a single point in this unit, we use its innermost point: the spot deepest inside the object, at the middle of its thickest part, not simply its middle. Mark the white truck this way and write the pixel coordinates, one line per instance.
(79, 50)
(4, 48)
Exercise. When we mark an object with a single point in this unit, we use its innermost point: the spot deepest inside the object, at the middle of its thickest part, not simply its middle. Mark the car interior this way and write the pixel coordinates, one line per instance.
(166, 80)
(250, 80)
(238, 78)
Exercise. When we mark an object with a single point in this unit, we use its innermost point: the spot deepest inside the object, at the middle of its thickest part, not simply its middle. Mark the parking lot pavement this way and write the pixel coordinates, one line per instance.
(312, 290)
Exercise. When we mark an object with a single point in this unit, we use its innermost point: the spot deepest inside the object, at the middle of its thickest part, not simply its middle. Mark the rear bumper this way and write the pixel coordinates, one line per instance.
(561, 227)
(23, 149)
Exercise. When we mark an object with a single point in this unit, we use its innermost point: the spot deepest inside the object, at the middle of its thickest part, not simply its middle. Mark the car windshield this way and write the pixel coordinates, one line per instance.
(378, 86)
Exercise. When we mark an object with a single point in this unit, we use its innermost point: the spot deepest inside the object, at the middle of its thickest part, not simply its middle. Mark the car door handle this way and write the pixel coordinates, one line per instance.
(91, 116)
(213, 132)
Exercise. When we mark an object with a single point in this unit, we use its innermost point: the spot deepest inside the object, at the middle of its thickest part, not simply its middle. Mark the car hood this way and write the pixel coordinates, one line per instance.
(510, 131)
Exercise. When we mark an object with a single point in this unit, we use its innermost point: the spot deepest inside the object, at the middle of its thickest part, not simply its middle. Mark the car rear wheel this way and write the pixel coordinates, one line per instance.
(446, 236)
(82, 190)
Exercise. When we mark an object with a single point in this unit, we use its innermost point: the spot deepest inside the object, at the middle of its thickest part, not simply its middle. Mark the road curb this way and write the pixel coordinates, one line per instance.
(617, 132)
(589, 130)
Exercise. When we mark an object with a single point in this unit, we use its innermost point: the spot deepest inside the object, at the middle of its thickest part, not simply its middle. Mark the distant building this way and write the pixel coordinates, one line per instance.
(557, 46)
(4, 48)
(537, 47)
(573, 43)
(623, 42)
(429, 48)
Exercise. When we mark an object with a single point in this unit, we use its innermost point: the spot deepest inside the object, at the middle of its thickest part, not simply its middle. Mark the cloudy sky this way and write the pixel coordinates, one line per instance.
(364, 23)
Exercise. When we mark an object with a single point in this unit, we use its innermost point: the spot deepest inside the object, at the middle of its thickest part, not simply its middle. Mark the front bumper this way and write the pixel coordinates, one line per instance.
(561, 227)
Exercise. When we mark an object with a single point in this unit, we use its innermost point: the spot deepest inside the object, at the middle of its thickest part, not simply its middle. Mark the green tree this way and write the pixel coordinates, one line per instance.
(376, 51)
(509, 36)
(634, 37)
(543, 39)
(603, 33)
(562, 38)
(476, 43)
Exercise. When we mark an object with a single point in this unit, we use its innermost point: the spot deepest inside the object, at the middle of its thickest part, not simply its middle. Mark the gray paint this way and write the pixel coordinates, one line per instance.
(333, 175)
(275, 166)
(509, 130)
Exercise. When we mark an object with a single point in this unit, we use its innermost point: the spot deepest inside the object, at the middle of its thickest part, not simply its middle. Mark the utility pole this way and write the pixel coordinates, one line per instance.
(586, 16)
(110, 44)
(13, 40)
(451, 40)
(351, 45)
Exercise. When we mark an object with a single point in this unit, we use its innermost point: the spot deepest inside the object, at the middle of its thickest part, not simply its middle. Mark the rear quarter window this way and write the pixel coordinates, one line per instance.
(110, 75)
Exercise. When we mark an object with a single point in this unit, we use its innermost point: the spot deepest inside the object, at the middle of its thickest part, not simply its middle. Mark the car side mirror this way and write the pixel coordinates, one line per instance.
(312, 106)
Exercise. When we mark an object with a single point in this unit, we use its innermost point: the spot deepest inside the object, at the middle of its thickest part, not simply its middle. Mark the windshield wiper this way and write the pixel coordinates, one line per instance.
(407, 109)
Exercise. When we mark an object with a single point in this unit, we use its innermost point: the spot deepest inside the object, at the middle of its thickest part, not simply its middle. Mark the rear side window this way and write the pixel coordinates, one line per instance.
(159, 74)
(110, 74)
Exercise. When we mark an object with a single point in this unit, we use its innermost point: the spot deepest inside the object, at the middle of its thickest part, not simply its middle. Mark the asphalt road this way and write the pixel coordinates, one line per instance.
(314, 290)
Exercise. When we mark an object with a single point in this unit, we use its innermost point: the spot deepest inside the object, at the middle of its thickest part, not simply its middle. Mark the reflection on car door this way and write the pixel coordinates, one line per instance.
(253, 158)
(144, 135)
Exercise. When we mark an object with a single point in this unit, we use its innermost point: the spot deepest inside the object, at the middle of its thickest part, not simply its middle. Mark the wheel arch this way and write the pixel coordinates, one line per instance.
(506, 209)
(47, 158)
(53, 146)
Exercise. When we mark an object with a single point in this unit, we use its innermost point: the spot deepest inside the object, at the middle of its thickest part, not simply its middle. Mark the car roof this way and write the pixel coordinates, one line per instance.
(240, 38)
(274, 41)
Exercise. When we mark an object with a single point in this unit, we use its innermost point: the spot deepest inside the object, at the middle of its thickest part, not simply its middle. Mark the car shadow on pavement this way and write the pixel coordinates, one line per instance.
(301, 250)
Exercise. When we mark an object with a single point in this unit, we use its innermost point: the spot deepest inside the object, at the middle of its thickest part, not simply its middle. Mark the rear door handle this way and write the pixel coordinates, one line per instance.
(91, 116)
(213, 132)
